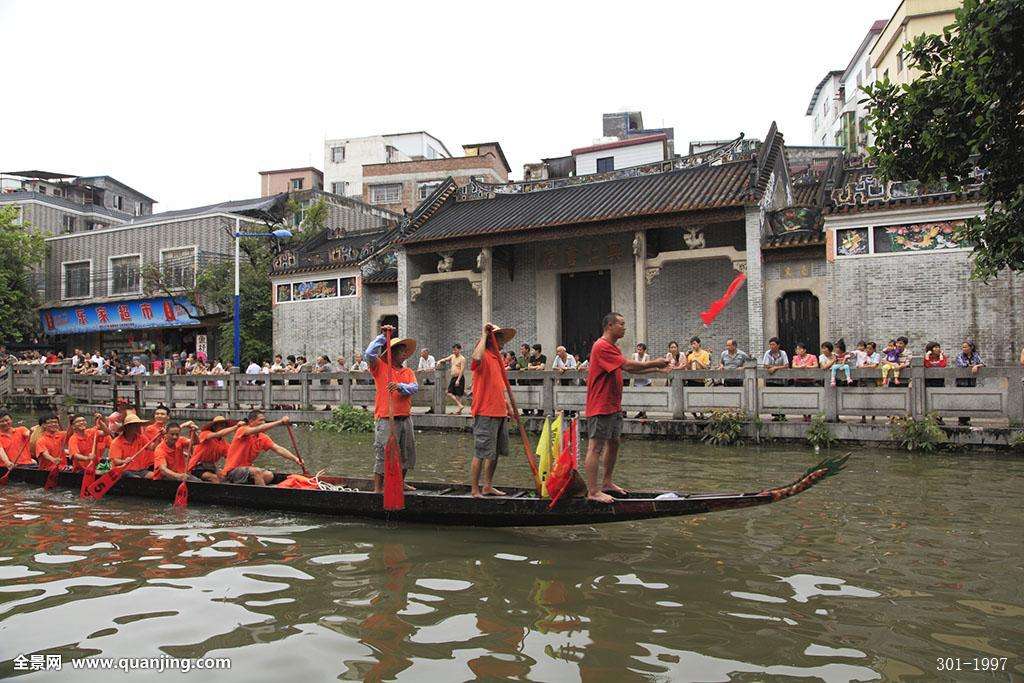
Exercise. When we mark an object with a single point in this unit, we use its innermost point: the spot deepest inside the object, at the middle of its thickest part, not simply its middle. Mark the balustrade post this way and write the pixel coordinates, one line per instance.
(750, 393)
(169, 391)
(232, 387)
(303, 390)
(917, 389)
(90, 394)
(831, 401)
(38, 379)
(440, 387)
(345, 384)
(65, 381)
(676, 397)
(201, 393)
(266, 393)
(548, 395)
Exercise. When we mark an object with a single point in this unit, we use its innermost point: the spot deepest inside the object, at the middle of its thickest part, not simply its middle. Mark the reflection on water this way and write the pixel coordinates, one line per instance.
(871, 576)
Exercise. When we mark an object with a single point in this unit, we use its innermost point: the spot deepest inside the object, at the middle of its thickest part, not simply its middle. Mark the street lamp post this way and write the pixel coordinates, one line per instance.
(281, 234)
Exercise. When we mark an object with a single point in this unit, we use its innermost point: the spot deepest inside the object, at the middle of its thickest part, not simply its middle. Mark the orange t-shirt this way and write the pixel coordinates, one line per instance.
(244, 449)
(81, 444)
(53, 444)
(402, 404)
(15, 445)
(488, 386)
(122, 449)
(172, 458)
(209, 449)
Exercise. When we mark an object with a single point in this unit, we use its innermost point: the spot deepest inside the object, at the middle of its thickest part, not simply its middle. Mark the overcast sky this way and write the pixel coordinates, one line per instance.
(187, 101)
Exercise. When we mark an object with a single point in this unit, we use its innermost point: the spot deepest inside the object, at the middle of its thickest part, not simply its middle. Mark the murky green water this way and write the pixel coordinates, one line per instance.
(874, 575)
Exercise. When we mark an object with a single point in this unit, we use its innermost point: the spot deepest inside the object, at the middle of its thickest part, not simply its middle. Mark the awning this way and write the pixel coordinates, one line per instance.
(119, 315)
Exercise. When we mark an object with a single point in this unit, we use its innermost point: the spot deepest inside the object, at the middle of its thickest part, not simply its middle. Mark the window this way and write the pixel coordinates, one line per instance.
(899, 61)
(385, 194)
(310, 290)
(125, 274)
(178, 267)
(605, 164)
(138, 208)
(337, 154)
(77, 280)
(94, 225)
(339, 187)
(426, 188)
(895, 239)
(117, 202)
(42, 189)
(296, 183)
(69, 223)
(300, 215)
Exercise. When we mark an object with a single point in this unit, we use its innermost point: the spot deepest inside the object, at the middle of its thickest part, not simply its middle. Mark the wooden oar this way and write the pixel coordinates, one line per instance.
(89, 475)
(181, 496)
(394, 484)
(107, 481)
(295, 446)
(530, 457)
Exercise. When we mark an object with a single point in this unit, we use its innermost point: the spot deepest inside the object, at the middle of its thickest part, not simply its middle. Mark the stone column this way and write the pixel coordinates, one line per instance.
(485, 262)
(755, 293)
(640, 283)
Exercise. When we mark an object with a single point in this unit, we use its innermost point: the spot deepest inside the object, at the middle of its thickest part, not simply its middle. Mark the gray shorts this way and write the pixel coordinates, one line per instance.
(490, 437)
(239, 475)
(406, 443)
(607, 427)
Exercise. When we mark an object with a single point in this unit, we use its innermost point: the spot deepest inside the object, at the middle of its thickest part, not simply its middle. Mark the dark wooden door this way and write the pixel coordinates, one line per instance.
(585, 299)
(798, 321)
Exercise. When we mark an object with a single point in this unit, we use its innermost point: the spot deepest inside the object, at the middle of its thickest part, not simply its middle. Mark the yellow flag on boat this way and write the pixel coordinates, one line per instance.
(544, 458)
(555, 449)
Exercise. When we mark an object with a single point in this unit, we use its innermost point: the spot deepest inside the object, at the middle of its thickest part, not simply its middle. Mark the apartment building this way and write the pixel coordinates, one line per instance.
(344, 158)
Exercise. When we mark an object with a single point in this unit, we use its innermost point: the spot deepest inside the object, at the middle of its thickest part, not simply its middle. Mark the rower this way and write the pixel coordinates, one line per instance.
(114, 421)
(50, 445)
(396, 385)
(211, 448)
(172, 454)
(127, 444)
(161, 415)
(80, 443)
(13, 442)
(250, 440)
(491, 408)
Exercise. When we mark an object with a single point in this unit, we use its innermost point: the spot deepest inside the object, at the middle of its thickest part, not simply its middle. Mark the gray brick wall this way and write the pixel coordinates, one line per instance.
(514, 303)
(677, 296)
(927, 297)
(210, 235)
(311, 328)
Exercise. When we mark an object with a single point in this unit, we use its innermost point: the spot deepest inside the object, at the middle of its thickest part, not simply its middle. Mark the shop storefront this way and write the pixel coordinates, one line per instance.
(159, 325)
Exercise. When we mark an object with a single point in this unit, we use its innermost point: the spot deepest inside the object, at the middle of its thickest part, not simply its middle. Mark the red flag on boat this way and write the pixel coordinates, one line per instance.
(181, 497)
(88, 477)
(715, 308)
(562, 473)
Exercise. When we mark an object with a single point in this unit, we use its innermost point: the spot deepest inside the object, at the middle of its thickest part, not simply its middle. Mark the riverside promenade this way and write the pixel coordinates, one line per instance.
(677, 405)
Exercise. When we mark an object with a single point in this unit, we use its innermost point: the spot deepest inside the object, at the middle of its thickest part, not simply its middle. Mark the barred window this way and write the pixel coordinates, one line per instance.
(77, 280)
(125, 274)
(385, 194)
(178, 267)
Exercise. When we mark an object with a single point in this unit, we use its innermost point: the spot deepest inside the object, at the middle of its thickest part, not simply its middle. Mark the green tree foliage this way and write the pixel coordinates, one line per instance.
(963, 111)
(21, 249)
(314, 219)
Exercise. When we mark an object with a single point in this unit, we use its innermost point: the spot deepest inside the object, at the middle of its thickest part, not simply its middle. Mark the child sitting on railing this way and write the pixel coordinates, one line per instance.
(891, 364)
(842, 362)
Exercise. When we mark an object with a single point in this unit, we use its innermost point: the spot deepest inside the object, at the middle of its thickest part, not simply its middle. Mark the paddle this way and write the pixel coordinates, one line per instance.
(394, 484)
(522, 430)
(181, 497)
(89, 475)
(295, 446)
(100, 487)
(51, 478)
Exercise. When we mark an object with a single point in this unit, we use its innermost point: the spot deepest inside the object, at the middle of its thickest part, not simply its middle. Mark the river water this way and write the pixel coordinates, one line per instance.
(873, 575)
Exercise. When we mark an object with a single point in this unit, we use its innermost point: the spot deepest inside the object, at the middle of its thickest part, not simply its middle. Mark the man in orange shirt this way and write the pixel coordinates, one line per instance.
(51, 444)
(160, 417)
(172, 454)
(210, 449)
(125, 449)
(13, 442)
(81, 440)
(490, 410)
(395, 385)
(251, 440)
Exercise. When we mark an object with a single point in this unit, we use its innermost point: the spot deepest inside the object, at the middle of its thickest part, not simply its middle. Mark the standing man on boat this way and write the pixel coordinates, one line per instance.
(491, 408)
(250, 440)
(396, 385)
(604, 405)
(13, 442)
(212, 447)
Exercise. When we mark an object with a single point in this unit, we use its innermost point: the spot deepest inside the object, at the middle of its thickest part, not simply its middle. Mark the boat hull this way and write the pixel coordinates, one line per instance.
(434, 504)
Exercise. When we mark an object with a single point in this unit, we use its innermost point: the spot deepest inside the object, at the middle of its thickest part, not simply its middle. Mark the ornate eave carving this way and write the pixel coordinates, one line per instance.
(653, 266)
(416, 285)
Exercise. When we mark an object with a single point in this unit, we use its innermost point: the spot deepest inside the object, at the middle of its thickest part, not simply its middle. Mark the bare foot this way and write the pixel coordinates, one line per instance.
(614, 489)
(459, 411)
(410, 487)
(476, 494)
(601, 497)
(491, 491)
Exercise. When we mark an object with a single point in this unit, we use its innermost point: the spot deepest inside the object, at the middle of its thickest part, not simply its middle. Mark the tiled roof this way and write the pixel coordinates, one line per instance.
(807, 194)
(860, 188)
(690, 189)
(795, 239)
(324, 252)
(382, 277)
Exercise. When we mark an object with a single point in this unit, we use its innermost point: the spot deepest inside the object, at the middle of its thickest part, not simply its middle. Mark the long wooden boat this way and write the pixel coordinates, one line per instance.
(447, 504)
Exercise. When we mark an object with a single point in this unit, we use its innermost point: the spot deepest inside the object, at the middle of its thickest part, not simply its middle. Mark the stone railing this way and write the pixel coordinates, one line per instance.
(752, 391)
